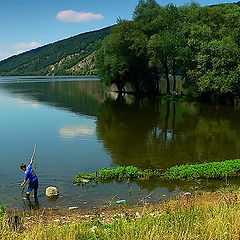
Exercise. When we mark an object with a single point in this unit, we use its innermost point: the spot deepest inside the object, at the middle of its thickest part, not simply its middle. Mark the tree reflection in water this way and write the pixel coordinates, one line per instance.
(150, 133)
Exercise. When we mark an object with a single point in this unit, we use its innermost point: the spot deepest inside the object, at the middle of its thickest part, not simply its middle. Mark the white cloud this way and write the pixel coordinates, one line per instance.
(18, 48)
(73, 16)
(26, 45)
(73, 131)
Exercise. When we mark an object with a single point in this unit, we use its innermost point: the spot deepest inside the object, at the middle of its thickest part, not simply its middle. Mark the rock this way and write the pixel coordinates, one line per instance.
(72, 208)
(138, 215)
(52, 192)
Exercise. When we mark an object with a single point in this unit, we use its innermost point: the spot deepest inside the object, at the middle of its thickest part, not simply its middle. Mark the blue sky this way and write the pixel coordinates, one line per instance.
(28, 24)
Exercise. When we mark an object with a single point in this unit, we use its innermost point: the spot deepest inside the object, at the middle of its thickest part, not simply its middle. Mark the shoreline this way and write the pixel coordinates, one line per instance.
(197, 215)
(69, 215)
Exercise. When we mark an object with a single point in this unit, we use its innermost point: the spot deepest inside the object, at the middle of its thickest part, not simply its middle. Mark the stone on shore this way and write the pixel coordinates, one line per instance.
(52, 192)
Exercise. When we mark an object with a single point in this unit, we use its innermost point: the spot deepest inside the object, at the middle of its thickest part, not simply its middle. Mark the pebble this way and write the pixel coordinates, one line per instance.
(72, 208)
(138, 215)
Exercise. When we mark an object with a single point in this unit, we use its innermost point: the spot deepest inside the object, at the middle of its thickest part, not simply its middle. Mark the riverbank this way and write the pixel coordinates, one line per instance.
(199, 215)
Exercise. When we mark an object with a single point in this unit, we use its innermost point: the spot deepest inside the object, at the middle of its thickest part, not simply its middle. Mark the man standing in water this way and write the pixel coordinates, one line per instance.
(31, 175)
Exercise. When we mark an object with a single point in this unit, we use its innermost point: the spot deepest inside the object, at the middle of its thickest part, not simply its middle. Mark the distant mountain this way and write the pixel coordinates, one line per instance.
(71, 56)
(237, 3)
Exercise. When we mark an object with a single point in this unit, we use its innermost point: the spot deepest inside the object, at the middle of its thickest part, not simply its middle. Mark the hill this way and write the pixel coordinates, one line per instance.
(71, 56)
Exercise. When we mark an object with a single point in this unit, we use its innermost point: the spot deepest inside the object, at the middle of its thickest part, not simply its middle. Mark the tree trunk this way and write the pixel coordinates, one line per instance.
(167, 78)
(174, 74)
(156, 81)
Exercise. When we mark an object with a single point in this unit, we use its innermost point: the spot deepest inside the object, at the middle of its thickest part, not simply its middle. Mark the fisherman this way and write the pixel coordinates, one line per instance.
(31, 175)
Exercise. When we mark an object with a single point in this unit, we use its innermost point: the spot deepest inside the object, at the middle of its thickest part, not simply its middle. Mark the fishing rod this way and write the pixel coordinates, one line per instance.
(33, 155)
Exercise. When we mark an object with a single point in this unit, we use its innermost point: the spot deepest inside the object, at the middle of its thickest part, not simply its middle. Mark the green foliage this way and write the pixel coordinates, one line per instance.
(199, 43)
(80, 177)
(2, 208)
(119, 174)
(230, 168)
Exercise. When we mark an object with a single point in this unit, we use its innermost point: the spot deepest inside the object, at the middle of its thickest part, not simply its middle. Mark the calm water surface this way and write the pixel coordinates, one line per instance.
(80, 126)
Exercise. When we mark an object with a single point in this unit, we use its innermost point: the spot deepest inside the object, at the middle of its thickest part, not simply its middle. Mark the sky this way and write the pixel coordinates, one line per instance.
(29, 24)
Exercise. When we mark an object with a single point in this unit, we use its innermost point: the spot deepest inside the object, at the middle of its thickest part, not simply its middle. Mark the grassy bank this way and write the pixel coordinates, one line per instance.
(211, 215)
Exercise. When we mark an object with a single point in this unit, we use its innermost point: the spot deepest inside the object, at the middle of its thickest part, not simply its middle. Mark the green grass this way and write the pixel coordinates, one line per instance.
(2, 208)
(230, 168)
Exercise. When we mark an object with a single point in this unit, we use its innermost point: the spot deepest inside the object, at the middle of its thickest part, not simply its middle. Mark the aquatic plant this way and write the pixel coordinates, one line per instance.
(82, 177)
(229, 168)
(119, 174)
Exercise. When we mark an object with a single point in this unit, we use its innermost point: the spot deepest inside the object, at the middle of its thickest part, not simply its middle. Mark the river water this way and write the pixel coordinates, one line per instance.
(78, 125)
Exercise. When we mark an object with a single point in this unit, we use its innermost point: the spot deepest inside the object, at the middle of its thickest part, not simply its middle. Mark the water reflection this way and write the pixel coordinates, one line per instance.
(158, 134)
(144, 133)
(32, 205)
(81, 97)
(72, 131)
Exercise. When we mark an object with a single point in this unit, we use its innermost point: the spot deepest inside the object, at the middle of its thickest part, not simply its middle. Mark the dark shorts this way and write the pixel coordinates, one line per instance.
(32, 186)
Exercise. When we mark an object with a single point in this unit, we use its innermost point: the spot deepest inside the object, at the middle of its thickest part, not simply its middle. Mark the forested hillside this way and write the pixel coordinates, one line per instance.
(72, 56)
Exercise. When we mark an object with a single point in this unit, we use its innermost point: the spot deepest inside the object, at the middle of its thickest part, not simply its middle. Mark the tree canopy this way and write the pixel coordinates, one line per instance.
(200, 44)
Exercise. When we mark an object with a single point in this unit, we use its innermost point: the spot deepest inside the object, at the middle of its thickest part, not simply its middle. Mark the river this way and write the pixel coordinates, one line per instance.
(79, 125)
